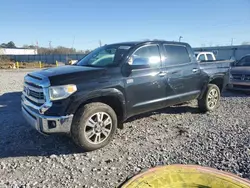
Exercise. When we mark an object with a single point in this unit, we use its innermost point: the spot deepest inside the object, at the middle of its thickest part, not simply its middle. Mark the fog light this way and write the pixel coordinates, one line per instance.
(51, 124)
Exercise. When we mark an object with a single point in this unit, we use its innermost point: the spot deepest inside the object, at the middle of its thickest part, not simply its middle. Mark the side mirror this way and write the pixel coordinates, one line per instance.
(140, 63)
(234, 63)
(137, 63)
(126, 69)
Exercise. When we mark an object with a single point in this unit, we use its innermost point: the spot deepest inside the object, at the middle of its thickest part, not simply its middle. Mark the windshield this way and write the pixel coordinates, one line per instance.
(245, 61)
(105, 56)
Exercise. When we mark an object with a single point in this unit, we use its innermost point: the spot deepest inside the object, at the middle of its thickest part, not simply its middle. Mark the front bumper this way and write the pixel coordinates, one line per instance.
(35, 102)
(240, 85)
(47, 124)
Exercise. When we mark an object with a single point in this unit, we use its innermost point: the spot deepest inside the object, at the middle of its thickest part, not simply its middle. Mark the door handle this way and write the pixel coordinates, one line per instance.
(175, 72)
(195, 70)
(162, 73)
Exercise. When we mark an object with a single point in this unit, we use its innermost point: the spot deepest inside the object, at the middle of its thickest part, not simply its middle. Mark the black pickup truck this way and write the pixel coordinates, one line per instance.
(91, 99)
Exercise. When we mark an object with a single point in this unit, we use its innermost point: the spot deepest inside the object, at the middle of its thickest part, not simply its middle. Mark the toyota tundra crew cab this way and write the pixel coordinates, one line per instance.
(92, 98)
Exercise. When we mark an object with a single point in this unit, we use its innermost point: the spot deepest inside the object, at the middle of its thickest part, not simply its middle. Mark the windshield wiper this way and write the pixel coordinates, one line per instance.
(88, 65)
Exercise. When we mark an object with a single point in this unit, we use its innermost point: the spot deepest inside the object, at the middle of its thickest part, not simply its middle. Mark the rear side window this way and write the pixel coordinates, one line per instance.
(176, 54)
(209, 57)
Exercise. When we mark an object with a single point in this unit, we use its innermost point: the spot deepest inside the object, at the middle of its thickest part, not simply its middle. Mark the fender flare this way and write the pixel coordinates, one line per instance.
(211, 78)
(106, 92)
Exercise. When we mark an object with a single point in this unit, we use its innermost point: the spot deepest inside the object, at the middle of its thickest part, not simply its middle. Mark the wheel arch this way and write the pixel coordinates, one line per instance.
(112, 97)
(218, 80)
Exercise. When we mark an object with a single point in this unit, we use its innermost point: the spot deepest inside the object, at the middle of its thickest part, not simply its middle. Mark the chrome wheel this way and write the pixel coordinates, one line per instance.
(213, 98)
(98, 127)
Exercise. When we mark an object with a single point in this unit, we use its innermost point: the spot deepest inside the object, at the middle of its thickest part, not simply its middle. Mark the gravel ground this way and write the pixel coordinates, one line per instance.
(178, 134)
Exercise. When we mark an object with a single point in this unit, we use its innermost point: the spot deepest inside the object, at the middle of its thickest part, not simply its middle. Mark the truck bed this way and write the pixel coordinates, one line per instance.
(213, 67)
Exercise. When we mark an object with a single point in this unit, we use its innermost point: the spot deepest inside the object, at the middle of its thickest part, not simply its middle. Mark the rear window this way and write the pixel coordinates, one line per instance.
(209, 57)
(176, 54)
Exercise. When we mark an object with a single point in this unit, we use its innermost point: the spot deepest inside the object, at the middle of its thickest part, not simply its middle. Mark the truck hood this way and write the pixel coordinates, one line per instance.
(69, 74)
(240, 70)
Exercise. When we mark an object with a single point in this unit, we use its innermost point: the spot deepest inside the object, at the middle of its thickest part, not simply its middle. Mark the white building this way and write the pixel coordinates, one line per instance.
(17, 51)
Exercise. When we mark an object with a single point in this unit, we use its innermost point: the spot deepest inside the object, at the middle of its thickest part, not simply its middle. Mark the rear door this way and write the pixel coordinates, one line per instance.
(182, 71)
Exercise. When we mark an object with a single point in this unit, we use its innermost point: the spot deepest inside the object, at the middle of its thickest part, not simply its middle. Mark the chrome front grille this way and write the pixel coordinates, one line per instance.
(38, 95)
(236, 76)
(35, 92)
(247, 77)
(241, 77)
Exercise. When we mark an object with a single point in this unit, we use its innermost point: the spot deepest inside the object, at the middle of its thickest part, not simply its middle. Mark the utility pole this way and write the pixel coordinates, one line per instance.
(50, 44)
(73, 42)
(36, 46)
(180, 38)
(100, 43)
(232, 41)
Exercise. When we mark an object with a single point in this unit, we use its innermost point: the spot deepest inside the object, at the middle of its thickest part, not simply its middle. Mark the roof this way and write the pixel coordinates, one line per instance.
(197, 52)
(134, 43)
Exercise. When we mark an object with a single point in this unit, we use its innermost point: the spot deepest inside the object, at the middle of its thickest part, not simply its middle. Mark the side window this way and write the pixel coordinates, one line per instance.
(176, 54)
(209, 57)
(147, 55)
(202, 57)
(245, 61)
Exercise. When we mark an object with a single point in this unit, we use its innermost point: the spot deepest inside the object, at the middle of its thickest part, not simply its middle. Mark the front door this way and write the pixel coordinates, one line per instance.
(146, 88)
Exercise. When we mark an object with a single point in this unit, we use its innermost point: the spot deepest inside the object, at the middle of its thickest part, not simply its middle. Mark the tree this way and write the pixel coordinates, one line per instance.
(10, 44)
(83, 51)
(29, 46)
(57, 50)
(44, 50)
(245, 43)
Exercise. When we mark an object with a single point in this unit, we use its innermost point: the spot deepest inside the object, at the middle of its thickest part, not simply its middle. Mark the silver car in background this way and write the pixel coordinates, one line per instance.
(240, 74)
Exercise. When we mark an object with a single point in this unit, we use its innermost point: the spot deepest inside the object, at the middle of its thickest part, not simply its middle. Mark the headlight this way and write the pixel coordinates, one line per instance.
(61, 92)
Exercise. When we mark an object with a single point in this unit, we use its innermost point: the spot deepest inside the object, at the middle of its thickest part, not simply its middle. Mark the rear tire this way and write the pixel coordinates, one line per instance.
(94, 126)
(210, 99)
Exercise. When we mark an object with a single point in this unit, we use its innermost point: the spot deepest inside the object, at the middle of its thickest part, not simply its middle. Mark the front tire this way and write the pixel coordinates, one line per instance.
(210, 99)
(94, 126)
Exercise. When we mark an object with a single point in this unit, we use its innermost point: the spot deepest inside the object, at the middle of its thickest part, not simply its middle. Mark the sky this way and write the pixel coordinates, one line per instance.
(82, 23)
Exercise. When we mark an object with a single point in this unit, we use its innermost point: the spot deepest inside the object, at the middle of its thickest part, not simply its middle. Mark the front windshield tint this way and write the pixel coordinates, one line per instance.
(105, 56)
(244, 62)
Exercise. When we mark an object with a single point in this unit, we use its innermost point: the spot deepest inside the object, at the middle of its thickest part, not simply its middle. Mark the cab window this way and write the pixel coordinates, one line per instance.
(202, 57)
(147, 55)
(209, 57)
